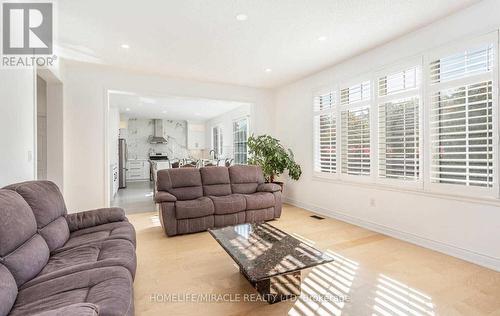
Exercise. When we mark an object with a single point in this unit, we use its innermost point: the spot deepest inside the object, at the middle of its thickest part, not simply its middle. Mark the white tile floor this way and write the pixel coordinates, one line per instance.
(136, 197)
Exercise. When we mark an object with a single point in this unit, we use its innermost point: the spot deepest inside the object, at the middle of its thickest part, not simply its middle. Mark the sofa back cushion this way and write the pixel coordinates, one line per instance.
(22, 250)
(215, 181)
(49, 208)
(8, 290)
(245, 179)
(183, 183)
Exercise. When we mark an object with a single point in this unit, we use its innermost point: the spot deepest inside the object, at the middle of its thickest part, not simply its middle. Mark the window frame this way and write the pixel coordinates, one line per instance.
(417, 91)
(220, 139)
(234, 121)
(424, 91)
(333, 110)
(490, 38)
(362, 104)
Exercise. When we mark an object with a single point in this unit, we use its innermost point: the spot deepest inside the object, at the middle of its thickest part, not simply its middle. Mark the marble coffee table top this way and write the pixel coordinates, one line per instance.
(263, 251)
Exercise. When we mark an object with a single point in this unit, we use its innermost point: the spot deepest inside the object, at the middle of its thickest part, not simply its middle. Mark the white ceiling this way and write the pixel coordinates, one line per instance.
(202, 40)
(174, 108)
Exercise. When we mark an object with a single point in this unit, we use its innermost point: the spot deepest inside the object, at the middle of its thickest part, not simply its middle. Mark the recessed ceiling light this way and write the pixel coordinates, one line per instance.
(197, 113)
(322, 38)
(268, 70)
(241, 17)
(127, 109)
(126, 46)
(163, 112)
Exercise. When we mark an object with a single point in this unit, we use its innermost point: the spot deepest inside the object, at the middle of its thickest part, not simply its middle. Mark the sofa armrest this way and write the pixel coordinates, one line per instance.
(79, 309)
(96, 217)
(268, 187)
(163, 196)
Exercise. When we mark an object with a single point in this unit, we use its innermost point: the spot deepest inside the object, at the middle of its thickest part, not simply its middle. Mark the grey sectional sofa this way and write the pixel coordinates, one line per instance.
(193, 200)
(54, 263)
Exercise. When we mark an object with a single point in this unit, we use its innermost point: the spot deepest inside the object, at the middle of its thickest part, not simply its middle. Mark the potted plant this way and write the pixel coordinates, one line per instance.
(274, 159)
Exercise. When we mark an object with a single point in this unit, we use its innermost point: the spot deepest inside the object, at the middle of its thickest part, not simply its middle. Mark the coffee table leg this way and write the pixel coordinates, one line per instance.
(280, 287)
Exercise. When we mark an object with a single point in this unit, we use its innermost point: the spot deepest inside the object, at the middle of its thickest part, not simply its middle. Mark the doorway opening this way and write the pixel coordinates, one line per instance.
(150, 133)
(49, 127)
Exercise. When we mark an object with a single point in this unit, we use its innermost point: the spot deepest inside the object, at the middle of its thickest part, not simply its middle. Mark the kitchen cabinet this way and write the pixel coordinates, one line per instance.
(138, 169)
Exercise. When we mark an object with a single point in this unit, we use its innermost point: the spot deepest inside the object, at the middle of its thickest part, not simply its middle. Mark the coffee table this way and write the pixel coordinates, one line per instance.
(269, 258)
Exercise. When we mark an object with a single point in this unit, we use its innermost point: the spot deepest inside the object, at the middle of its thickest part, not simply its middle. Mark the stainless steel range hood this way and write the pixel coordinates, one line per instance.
(157, 137)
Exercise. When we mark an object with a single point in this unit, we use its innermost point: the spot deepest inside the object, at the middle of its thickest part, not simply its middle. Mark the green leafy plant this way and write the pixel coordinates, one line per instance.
(267, 152)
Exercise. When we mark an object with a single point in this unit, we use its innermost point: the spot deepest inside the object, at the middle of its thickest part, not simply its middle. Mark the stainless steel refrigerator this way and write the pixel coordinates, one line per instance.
(122, 163)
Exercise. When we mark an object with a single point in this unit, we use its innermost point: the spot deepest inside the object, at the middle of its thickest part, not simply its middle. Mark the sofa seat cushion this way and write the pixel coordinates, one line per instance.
(259, 200)
(116, 230)
(117, 252)
(229, 204)
(229, 219)
(258, 216)
(199, 207)
(109, 288)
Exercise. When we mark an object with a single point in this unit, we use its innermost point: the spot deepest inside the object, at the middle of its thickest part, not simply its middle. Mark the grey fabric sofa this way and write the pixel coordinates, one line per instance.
(193, 200)
(55, 263)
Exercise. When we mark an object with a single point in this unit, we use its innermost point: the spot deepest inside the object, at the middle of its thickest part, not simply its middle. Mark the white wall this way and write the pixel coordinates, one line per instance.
(55, 131)
(17, 125)
(196, 136)
(85, 125)
(113, 131)
(462, 227)
(225, 121)
(41, 134)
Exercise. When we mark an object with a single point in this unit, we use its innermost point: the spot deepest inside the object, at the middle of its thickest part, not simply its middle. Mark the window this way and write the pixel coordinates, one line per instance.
(325, 129)
(240, 138)
(398, 125)
(356, 142)
(217, 140)
(398, 82)
(356, 93)
(436, 133)
(464, 64)
(355, 129)
(461, 118)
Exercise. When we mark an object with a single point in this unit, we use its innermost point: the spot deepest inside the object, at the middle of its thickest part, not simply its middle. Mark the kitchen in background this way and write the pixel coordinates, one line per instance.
(166, 133)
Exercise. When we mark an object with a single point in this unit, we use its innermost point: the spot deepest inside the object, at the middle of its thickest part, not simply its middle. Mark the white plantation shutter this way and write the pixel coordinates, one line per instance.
(356, 93)
(398, 125)
(324, 101)
(326, 146)
(355, 104)
(325, 133)
(398, 82)
(356, 142)
(436, 133)
(461, 118)
(462, 135)
(464, 64)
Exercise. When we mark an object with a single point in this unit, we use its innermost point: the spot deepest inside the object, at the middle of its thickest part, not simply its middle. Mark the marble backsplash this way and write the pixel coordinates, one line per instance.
(138, 133)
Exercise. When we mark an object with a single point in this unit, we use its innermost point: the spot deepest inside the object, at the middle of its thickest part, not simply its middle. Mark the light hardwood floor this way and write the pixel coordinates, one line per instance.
(373, 275)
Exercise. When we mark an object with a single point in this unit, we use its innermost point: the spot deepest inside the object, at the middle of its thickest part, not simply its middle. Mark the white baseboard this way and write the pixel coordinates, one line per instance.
(464, 254)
